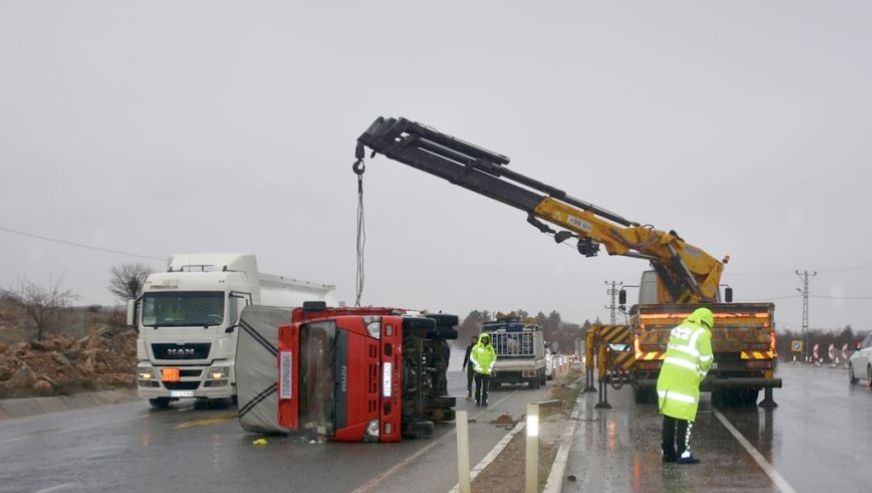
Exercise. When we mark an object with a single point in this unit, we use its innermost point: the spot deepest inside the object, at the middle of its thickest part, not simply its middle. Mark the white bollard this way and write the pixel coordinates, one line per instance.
(531, 472)
(462, 422)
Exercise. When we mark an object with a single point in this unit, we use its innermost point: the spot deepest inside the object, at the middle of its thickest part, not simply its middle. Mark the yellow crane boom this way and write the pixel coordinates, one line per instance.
(686, 274)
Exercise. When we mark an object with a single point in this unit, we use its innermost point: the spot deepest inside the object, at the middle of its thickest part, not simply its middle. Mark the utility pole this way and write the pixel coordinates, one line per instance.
(805, 276)
(612, 307)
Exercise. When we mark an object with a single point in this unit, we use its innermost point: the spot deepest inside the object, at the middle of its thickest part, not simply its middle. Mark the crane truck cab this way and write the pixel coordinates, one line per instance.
(743, 344)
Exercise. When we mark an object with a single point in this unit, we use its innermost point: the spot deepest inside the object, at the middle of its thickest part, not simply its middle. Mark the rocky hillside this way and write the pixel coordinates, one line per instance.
(104, 358)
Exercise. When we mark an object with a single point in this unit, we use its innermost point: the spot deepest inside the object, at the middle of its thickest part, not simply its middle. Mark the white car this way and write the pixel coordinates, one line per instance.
(860, 364)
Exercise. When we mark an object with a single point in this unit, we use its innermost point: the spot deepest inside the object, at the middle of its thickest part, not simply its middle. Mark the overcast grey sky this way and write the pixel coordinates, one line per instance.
(168, 127)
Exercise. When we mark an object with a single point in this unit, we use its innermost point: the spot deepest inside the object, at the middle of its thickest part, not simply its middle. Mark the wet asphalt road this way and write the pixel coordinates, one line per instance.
(129, 447)
(819, 439)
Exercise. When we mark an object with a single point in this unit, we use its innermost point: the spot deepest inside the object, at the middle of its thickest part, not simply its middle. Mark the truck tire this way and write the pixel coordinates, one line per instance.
(420, 429)
(534, 384)
(160, 402)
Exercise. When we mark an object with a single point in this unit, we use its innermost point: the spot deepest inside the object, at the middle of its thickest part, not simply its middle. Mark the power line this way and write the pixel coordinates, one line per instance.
(80, 245)
(782, 272)
(765, 299)
(841, 297)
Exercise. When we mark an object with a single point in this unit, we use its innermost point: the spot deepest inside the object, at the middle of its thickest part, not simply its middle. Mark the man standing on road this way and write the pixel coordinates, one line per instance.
(467, 365)
(688, 359)
(483, 358)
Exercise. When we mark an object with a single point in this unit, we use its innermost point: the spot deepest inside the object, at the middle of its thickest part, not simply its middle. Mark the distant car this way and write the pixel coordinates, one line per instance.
(860, 364)
(549, 365)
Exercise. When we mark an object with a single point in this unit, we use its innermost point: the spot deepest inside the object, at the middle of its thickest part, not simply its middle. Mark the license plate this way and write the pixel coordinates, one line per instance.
(181, 393)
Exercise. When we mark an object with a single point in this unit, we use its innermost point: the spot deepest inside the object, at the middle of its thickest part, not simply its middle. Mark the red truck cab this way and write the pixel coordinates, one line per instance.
(363, 374)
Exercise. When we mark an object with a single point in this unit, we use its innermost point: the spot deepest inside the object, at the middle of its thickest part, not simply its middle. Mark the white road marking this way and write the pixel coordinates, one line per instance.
(372, 483)
(60, 487)
(558, 468)
(768, 468)
(491, 456)
(494, 452)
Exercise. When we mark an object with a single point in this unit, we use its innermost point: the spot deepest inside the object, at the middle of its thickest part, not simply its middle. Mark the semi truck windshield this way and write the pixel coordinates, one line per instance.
(183, 309)
(317, 349)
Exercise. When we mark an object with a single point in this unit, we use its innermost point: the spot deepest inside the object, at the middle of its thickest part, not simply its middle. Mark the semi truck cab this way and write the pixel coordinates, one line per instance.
(188, 321)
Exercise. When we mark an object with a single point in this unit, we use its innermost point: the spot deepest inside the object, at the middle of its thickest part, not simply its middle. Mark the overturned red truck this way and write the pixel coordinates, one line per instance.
(345, 374)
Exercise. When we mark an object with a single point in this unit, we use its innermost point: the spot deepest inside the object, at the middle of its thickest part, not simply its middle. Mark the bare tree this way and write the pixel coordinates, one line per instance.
(41, 305)
(127, 280)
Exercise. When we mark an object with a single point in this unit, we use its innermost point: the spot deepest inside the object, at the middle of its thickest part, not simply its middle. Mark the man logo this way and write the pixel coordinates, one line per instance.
(180, 352)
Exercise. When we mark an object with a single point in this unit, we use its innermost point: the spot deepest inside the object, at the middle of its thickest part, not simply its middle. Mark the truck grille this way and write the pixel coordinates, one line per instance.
(194, 350)
(182, 385)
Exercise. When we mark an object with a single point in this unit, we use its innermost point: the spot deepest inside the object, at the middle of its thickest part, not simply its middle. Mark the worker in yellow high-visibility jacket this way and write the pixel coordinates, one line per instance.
(688, 359)
(483, 358)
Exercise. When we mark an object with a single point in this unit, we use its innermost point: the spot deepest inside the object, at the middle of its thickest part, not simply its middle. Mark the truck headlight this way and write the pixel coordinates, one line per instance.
(146, 373)
(372, 429)
(374, 329)
(219, 372)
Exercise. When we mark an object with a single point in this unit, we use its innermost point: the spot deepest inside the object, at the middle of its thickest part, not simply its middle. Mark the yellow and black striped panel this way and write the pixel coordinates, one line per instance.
(612, 334)
(653, 336)
(757, 355)
(652, 355)
(625, 360)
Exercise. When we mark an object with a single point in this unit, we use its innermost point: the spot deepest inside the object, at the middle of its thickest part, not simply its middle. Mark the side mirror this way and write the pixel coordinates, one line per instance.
(131, 313)
(229, 330)
(728, 294)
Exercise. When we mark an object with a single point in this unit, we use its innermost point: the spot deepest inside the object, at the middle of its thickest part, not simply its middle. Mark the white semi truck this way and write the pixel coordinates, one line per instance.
(188, 321)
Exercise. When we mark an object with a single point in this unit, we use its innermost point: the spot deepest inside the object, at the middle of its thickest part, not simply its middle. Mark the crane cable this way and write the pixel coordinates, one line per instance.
(359, 168)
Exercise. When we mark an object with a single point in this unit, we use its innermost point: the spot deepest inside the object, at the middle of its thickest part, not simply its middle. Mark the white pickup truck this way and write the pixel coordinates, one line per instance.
(520, 349)
(188, 321)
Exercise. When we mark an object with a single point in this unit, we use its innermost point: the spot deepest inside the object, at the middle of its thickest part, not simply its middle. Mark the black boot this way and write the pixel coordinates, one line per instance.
(669, 454)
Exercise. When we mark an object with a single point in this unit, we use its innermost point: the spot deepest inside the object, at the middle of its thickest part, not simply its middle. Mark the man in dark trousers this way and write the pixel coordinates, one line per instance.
(470, 374)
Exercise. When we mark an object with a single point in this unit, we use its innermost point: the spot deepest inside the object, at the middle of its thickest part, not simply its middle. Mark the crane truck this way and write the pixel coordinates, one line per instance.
(684, 276)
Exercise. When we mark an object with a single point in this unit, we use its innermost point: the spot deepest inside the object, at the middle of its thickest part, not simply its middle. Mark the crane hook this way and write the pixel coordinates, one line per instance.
(359, 167)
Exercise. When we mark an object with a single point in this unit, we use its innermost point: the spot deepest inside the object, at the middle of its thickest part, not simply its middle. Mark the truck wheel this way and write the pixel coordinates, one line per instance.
(851, 377)
(160, 402)
(534, 384)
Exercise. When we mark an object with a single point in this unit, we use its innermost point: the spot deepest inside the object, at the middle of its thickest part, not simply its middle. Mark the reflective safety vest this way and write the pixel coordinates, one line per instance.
(483, 357)
(688, 359)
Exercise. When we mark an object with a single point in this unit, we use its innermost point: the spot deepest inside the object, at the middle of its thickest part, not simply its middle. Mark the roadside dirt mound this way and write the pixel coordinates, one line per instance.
(105, 358)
